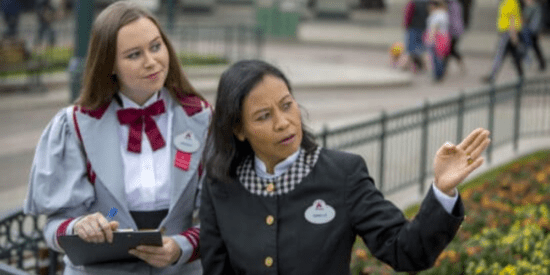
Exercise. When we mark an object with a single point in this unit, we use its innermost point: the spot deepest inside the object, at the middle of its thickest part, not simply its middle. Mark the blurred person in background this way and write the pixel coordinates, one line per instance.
(532, 27)
(46, 13)
(438, 38)
(456, 28)
(509, 26)
(11, 10)
(414, 21)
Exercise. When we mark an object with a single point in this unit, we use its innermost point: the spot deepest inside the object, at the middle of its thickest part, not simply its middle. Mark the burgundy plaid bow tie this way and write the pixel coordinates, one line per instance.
(136, 118)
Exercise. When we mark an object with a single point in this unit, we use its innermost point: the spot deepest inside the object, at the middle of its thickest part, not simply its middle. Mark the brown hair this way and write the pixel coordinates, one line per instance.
(99, 84)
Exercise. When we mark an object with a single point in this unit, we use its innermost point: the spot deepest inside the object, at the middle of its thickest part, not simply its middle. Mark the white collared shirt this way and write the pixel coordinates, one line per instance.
(279, 169)
(147, 174)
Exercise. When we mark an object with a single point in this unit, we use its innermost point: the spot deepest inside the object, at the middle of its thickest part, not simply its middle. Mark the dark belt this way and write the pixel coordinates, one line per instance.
(148, 219)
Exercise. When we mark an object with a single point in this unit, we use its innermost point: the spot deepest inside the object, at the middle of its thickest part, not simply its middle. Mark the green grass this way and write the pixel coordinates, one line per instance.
(57, 60)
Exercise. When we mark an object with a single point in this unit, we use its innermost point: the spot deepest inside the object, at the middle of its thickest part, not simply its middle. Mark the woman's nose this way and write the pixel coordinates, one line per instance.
(149, 59)
(280, 121)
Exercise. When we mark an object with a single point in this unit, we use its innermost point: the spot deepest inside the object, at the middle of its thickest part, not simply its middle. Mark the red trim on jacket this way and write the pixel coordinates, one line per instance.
(192, 104)
(61, 230)
(192, 235)
(95, 113)
(89, 171)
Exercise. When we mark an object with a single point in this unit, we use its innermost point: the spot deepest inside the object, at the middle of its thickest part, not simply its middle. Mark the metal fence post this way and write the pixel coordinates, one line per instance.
(83, 27)
(491, 120)
(383, 121)
(228, 46)
(53, 261)
(259, 43)
(324, 135)
(517, 114)
(170, 20)
(424, 145)
(241, 36)
(460, 117)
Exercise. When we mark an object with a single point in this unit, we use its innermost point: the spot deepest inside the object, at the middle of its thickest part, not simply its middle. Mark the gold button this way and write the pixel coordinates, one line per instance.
(269, 220)
(270, 187)
(268, 261)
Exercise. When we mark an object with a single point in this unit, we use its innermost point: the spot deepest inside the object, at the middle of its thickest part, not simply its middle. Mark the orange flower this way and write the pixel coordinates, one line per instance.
(361, 254)
(453, 256)
(472, 250)
(544, 222)
(541, 176)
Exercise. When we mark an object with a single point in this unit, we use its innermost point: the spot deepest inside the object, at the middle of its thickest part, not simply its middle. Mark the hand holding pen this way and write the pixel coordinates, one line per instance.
(96, 228)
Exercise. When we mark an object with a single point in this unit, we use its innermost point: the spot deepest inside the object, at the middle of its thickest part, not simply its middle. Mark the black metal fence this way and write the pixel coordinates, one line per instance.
(231, 42)
(22, 245)
(399, 147)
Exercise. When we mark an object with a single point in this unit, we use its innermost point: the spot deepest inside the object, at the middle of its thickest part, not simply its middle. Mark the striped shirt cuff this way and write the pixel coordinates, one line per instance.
(62, 229)
(192, 235)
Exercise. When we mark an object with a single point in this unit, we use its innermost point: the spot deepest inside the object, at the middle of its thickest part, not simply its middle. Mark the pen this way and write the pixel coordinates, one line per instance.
(111, 213)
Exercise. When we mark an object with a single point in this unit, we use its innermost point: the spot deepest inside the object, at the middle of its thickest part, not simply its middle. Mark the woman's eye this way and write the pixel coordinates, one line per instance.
(156, 47)
(263, 117)
(133, 55)
(287, 105)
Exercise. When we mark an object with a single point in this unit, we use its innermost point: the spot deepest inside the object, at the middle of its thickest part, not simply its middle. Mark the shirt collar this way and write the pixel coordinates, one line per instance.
(280, 168)
(128, 103)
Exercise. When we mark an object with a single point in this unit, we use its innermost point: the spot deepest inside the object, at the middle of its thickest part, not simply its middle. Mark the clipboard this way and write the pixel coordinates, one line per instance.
(81, 252)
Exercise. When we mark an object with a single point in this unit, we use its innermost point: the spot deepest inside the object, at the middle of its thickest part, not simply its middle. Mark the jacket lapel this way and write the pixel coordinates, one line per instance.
(182, 123)
(101, 142)
(178, 177)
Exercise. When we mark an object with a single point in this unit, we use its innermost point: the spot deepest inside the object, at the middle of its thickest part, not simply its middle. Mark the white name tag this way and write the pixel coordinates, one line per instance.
(187, 142)
(319, 212)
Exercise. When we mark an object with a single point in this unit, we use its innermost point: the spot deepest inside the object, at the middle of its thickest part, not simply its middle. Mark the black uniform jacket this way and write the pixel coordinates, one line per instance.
(238, 237)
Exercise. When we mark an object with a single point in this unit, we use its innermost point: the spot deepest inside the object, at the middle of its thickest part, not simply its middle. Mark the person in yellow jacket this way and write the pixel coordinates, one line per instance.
(508, 26)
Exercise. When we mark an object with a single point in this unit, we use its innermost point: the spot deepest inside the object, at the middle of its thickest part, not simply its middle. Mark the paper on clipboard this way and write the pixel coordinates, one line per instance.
(81, 252)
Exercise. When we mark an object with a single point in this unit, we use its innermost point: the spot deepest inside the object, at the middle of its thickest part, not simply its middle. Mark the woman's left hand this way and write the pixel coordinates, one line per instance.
(158, 256)
(452, 164)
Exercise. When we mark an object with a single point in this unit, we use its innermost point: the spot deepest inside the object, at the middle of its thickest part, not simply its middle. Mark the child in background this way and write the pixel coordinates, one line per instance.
(437, 37)
(398, 58)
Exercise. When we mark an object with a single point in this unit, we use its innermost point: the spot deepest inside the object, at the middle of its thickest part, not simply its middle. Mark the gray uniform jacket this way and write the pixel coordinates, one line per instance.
(242, 233)
(59, 186)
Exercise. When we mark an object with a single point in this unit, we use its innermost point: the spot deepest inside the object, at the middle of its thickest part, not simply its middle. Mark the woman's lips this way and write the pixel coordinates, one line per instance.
(153, 76)
(288, 140)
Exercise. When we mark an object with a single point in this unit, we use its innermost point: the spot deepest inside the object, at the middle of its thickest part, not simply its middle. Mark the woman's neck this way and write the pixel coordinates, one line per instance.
(138, 99)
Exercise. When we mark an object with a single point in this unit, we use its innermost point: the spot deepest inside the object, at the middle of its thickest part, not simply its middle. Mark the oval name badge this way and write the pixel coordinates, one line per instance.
(319, 212)
(187, 142)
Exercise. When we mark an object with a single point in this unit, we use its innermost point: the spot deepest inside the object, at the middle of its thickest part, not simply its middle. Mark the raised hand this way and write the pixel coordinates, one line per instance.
(453, 163)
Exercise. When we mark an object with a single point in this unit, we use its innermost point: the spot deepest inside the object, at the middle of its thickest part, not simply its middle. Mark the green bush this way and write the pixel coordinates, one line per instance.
(506, 229)
(57, 60)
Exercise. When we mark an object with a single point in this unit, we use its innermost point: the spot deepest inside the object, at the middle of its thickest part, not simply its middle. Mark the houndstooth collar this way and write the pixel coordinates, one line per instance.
(281, 184)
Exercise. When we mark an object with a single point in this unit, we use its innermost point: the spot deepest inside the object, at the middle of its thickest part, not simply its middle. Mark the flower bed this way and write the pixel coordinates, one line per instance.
(506, 229)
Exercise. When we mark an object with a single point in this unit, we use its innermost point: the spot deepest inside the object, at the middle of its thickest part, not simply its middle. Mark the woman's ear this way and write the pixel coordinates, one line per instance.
(239, 133)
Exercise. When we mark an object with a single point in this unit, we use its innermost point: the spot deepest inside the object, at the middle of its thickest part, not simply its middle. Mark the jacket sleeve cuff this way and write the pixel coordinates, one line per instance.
(446, 201)
(62, 230)
(70, 227)
(189, 244)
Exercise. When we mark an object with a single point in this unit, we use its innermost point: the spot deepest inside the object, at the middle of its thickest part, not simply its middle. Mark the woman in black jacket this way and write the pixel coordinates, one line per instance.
(274, 202)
